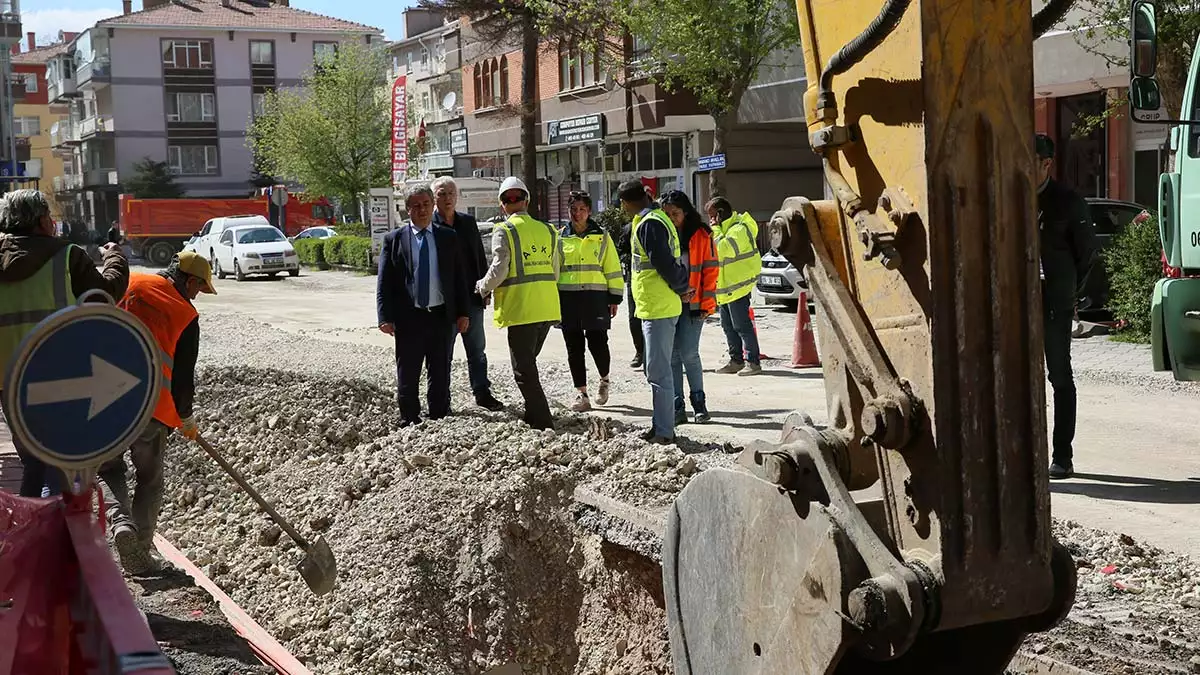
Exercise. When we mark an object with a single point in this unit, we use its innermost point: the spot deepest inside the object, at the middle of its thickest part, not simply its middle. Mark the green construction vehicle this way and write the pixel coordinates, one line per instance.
(1175, 331)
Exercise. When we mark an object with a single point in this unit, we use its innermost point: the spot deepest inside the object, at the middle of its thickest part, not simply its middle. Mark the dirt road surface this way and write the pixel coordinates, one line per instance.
(1135, 443)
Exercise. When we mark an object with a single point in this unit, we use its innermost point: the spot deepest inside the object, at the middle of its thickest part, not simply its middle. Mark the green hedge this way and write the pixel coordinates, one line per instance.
(310, 251)
(351, 251)
(1134, 264)
(352, 230)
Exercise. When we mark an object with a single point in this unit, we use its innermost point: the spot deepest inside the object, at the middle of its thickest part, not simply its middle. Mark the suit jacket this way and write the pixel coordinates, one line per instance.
(393, 302)
(475, 262)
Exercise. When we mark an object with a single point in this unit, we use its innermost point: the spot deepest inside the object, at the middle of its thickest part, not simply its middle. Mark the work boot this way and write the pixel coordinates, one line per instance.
(1061, 470)
(488, 402)
(636, 362)
(731, 367)
(680, 412)
(650, 437)
(602, 393)
(700, 405)
(750, 369)
(582, 404)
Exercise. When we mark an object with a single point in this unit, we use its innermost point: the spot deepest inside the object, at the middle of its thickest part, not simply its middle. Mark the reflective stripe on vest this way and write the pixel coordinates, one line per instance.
(529, 294)
(166, 313)
(26, 303)
(583, 276)
(652, 297)
(740, 272)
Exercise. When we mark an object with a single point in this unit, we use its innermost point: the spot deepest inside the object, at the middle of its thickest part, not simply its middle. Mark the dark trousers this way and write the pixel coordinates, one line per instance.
(146, 453)
(1057, 325)
(35, 475)
(424, 338)
(635, 324)
(474, 342)
(597, 343)
(524, 344)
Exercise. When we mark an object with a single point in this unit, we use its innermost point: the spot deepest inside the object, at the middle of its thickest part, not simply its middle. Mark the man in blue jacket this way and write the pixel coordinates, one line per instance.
(422, 300)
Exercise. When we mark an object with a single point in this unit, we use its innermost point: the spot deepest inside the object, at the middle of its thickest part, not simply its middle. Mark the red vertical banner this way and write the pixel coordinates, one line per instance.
(399, 131)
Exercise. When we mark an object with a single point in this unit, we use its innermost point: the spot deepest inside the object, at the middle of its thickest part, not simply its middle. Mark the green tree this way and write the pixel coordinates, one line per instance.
(714, 50)
(333, 134)
(153, 180)
(416, 144)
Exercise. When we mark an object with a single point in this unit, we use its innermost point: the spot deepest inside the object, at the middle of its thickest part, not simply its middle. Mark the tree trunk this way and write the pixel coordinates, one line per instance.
(724, 124)
(529, 107)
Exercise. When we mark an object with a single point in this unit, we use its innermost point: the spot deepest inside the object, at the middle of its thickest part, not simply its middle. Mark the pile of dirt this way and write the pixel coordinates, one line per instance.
(456, 547)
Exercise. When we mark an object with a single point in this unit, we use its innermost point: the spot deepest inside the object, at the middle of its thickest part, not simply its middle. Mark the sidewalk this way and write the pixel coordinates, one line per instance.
(10, 464)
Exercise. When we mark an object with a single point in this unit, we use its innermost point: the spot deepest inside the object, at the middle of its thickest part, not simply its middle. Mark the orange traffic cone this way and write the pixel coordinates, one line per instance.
(804, 347)
(761, 353)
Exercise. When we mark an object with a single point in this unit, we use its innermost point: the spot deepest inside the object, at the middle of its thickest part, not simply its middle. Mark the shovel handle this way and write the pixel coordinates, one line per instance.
(240, 480)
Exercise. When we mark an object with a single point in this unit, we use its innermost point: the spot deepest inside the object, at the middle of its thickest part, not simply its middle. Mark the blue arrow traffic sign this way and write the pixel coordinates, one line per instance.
(82, 386)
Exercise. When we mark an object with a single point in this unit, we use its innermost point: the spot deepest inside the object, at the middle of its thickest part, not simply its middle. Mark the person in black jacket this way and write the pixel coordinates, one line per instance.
(1068, 248)
(423, 301)
(474, 263)
(625, 253)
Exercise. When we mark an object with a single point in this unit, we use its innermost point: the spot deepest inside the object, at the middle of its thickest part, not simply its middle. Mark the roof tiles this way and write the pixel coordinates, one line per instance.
(214, 14)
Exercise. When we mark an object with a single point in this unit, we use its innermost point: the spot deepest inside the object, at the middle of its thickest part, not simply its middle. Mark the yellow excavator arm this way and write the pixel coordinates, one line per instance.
(925, 273)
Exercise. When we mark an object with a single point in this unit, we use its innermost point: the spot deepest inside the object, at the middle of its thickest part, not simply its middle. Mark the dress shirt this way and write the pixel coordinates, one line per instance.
(435, 282)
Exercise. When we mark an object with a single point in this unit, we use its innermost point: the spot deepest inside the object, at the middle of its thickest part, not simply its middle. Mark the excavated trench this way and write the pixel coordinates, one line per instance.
(476, 545)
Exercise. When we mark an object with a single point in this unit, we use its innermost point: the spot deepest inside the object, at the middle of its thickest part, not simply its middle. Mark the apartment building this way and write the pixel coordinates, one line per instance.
(179, 82)
(429, 57)
(12, 155)
(34, 117)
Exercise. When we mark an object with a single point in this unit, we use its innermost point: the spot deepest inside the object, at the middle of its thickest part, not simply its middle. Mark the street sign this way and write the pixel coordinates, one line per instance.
(586, 129)
(279, 196)
(458, 142)
(711, 162)
(380, 216)
(82, 386)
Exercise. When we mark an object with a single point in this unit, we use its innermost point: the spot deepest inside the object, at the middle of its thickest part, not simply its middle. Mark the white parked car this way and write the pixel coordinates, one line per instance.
(247, 250)
(316, 233)
(780, 282)
(192, 244)
(210, 234)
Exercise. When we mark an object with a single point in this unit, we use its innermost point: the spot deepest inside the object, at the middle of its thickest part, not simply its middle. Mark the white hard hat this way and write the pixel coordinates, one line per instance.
(512, 183)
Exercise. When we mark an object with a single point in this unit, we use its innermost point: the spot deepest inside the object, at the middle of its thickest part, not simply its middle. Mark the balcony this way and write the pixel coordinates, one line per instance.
(429, 68)
(92, 126)
(10, 20)
(100, 178)
(96, 73)
(435, 161)
(439, 114)
(69, 183)
(63, 133)
(61, 88)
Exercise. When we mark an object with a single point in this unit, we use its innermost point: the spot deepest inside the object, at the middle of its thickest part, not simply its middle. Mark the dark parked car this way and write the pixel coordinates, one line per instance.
(1110, 217)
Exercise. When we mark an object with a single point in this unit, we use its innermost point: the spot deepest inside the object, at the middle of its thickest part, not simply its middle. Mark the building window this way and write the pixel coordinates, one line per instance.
(27, 126)
(262, 52)
(191, 107)
(491, 83)
(504, 78)
(639, 50)
(577, 68)
(324, 50)
(30, 82)
(424, 56)
(408, 62)
(478, 77)
(187, 53)
(192, 160)
(258, 104)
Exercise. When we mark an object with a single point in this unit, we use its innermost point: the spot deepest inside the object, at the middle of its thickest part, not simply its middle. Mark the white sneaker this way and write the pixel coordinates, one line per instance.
(582, 404)
(602, 394)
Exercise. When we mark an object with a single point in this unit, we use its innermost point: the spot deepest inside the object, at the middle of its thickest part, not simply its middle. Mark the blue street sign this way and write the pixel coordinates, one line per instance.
(711, 162)
(83, 385)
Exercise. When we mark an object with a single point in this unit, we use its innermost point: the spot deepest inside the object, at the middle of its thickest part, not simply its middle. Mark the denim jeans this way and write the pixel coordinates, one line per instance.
(739, 331)
(686, 356)
(475, 343)
(660, 342)
(37, 479)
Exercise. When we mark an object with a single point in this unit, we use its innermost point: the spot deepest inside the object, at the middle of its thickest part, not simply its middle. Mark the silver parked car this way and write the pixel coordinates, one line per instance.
(780, 282)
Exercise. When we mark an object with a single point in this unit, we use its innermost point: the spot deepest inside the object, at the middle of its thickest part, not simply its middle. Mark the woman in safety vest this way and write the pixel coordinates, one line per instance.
(590, 286)
(695, 242)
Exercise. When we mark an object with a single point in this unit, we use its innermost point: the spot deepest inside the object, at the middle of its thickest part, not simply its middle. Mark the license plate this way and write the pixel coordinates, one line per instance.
(773, 282)
(272, 263)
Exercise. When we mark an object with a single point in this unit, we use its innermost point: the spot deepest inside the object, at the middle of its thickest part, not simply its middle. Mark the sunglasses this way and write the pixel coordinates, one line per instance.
(507, 198)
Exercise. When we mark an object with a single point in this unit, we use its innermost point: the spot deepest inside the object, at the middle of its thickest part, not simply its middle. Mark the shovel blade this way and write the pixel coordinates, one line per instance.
(318, 568)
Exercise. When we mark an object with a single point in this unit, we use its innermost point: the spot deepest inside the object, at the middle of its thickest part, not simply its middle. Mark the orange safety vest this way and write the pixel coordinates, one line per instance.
(702, 259)
(167, 314)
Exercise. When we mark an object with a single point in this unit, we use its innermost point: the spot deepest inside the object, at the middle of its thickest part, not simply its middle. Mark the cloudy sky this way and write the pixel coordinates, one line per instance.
(47, 17)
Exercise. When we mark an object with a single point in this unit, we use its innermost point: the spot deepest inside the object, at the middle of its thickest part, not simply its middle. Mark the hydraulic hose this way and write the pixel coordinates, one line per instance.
(854, 51)
(1048, 16)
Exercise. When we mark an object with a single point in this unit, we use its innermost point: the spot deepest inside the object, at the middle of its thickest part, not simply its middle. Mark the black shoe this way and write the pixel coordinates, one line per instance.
(637, 362)
(1059, 471)
(681, 417)
(408, 423)
(489, 402)
(650, 437)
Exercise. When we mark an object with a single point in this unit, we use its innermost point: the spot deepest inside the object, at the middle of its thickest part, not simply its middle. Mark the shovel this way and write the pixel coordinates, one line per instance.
(318, 568)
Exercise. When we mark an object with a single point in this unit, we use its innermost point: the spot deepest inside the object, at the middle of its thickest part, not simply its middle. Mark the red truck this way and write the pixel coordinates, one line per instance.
(158, 228)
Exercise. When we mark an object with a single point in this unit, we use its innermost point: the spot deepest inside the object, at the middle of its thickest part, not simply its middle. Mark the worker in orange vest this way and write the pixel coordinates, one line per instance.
(163, 302)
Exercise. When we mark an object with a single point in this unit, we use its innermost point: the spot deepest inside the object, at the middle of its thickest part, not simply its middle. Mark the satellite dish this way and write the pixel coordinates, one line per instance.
(448, 101)
(557, 176)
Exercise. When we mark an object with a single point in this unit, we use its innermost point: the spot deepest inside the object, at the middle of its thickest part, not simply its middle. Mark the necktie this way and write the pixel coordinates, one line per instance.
(422, 270)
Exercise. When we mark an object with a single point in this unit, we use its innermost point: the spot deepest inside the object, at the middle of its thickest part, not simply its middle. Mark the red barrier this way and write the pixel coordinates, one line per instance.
(71, 612)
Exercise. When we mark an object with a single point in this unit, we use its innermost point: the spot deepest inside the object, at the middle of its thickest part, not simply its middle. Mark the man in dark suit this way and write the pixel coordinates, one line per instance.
(445, 196)
(422, 299)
